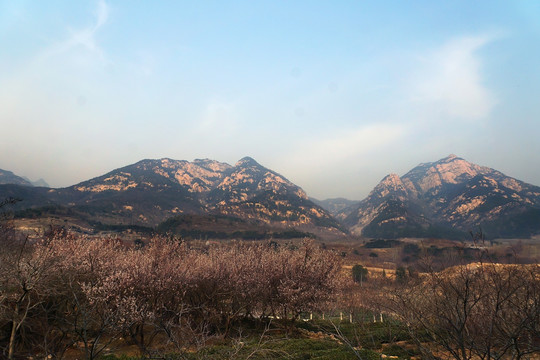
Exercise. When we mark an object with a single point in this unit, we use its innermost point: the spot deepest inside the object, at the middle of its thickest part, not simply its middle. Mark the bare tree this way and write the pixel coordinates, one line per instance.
(483, 310)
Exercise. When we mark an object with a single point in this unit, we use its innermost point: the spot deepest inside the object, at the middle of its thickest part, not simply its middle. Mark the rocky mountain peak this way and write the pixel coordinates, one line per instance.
(452, 169)
(247, 162)
(391, 179)
(449, 158)
(248, 175)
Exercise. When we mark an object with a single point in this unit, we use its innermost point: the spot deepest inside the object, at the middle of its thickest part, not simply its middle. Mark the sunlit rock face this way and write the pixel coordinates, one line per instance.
(431, 177)
(449, 196)
(249, 190)
(391, 185)
(248, 176)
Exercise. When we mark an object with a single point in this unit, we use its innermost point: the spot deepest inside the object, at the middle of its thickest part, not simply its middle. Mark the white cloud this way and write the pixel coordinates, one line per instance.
(449, 81)
(86, 37)
(83, 37)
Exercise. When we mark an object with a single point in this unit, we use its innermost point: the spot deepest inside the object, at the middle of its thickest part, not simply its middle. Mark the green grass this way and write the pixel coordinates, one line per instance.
(310, 340)
(291, 349)
(368, 335)
(401, 352)
(295, 349)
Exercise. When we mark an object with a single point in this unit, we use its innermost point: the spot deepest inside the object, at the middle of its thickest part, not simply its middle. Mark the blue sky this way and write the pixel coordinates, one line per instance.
(332, 95)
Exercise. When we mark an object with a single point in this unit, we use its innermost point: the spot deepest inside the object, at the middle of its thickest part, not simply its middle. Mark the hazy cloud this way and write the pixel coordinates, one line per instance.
(327, 151)
(219, 119)
(449, 80)
(41, 101)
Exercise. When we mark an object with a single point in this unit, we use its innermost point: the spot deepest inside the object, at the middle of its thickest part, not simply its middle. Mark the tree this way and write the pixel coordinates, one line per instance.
(91, 291)
(359, 273)
(83, 266)
(401, 275)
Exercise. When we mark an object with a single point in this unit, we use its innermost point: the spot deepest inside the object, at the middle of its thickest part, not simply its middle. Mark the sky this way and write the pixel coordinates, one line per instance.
(333, 95)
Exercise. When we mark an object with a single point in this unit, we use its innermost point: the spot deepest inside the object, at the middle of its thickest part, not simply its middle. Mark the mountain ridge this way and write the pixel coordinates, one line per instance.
(448, 197)
(151, 191)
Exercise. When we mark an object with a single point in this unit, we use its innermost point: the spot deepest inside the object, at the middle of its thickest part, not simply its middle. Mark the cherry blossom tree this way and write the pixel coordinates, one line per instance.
(25, 271)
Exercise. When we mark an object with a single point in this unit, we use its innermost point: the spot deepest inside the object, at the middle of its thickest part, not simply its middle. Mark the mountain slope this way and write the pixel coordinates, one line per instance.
(446, 197)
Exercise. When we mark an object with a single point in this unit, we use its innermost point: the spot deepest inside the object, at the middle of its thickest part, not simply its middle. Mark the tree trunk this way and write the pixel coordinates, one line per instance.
(14, 327)
(12, 339)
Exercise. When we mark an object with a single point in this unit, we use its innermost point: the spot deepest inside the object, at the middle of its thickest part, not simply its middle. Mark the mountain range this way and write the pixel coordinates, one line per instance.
(150, 192)
(447, 198)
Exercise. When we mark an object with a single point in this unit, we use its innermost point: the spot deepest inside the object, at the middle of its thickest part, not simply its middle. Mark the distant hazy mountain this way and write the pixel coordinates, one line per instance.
(448, 198)
(39, 182)
(7, 177)
(151, 191)
(338, 207)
